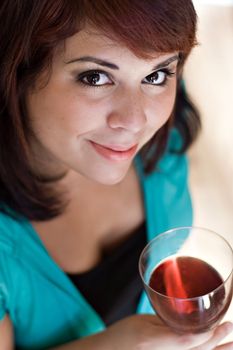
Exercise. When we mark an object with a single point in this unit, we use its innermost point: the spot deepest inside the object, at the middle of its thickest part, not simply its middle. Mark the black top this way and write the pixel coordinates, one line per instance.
(114, 286)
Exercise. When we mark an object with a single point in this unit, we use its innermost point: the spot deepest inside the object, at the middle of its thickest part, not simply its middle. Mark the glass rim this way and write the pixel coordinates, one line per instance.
(179, 229)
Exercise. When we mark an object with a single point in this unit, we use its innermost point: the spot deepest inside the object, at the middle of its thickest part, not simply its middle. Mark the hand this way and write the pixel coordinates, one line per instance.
(147, 332)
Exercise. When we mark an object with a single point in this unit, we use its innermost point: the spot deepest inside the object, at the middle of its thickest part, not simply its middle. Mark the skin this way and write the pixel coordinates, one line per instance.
(66, 118)
(66, 115)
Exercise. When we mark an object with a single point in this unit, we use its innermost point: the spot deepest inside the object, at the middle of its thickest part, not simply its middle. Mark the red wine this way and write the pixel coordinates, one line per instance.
(179, 279)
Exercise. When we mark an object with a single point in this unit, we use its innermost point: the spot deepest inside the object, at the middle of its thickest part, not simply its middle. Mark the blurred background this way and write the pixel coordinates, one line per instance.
(209, 81)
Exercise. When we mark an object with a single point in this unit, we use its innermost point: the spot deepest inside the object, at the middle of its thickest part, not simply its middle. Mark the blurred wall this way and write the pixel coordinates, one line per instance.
(209, 80)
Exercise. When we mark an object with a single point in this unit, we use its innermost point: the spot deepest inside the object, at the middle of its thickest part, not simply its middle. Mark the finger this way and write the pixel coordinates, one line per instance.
(169, 340)
(219, 334)
(202, 341)
(172, 341)
(193, 341)
(227, 346)
(177, 341)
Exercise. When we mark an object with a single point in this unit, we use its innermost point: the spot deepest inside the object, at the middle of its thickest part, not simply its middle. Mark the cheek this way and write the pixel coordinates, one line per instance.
(160, 109)
(58, 113)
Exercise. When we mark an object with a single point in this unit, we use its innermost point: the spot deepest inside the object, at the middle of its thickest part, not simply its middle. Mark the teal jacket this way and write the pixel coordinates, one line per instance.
(45, 307)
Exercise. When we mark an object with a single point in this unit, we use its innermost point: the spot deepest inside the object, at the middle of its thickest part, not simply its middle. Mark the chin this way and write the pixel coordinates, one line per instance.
(110, 179)
(109, 176)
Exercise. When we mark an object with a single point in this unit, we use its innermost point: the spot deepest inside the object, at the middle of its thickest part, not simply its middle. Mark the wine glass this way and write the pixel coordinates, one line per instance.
(187, 273)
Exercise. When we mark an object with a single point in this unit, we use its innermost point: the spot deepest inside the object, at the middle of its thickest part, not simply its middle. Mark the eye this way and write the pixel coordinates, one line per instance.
(158, 78)
(94, 78)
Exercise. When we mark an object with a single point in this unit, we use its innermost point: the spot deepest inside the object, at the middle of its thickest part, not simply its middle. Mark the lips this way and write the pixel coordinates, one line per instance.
(115, 152)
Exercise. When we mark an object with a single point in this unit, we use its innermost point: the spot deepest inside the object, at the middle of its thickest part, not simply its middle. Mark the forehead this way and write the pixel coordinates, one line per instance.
(92, 42)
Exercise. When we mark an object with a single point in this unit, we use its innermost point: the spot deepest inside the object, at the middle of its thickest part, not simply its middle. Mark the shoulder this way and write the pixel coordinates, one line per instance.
(12, 236)
(12, 270)
(10, 230)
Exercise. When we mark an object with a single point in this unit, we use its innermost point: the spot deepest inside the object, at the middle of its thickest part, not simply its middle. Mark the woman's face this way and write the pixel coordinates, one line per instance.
(99, 107)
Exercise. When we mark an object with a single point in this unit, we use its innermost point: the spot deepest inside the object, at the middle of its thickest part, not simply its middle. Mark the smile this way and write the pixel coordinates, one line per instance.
(116, 152)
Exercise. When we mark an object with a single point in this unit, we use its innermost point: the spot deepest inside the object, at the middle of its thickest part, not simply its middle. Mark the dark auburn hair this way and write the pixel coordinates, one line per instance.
(30, 31)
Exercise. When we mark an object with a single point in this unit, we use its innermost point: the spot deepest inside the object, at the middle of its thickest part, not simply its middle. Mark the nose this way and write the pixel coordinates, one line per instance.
(128, 112)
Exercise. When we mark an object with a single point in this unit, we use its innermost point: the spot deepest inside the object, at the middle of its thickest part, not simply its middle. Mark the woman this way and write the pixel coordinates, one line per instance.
(92, 142)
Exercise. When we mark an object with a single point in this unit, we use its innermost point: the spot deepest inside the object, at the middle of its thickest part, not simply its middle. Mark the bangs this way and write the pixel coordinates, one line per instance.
(145, 27)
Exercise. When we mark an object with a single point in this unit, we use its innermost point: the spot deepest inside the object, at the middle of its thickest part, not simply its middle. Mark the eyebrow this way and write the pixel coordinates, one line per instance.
(114, 66)
(94, 60)
(167, 62)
